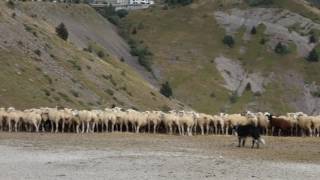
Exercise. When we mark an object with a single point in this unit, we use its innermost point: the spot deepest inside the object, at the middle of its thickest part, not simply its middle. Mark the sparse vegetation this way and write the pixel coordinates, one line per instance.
(281, 49)
(229, 41)
(234, 97)
(62, 31)
(253, 30)
(166, 89)
(179, 2)
(259, 2)
(313, 56)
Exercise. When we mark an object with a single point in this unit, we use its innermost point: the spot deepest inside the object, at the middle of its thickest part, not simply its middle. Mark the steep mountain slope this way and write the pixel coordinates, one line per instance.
(210, 77)
(37, 68)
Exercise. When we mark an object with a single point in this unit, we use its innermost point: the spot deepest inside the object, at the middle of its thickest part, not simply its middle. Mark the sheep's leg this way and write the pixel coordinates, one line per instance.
(63, 124)
(121, 125)
(310, 132)
(189, 131)
(243, 142)
(87, 127)
(56, 126)
(137, 130)
(239, 140)
(202, 130)
(170, 129)
(36, 126)
(112, 127)
(227, 130)
(94, 124)
(127, 126)
(207, 129)
(82, 127)
(77, 128)
(16, 126)
(154, 128)
(107, 126)
(253, 141)
(222, 129)
(9, 125)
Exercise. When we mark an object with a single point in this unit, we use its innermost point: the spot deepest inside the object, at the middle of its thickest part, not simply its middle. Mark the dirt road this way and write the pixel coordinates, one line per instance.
(145, 156)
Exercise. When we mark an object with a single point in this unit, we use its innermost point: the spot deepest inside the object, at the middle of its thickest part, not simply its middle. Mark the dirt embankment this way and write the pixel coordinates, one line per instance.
(144, 156)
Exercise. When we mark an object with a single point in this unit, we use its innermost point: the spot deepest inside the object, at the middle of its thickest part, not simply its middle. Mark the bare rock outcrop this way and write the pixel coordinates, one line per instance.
(281, 25)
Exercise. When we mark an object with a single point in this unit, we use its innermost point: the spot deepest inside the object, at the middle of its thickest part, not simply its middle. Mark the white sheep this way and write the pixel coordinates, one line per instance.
(316, 125)
(14, 116)
(305, 123)
(263, 121)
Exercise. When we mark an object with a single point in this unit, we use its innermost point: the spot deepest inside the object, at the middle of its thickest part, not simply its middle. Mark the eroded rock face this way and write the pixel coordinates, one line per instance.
(237, 79)
(281, 25)
(304, 100)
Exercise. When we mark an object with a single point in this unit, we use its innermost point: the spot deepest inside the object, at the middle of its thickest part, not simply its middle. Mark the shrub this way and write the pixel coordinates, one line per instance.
(259, 2)
(109, 91)
(313, 56)
(75, 93)
(281, 49)
(37, 52)
(122, 13)
(179, 2)
(253, 30)
(166, 89)
(228, 40)
(144, 56)
(11, 4)
(234, 97)
(62, 31)
(313, 39)
(263, 41)
(100, 54)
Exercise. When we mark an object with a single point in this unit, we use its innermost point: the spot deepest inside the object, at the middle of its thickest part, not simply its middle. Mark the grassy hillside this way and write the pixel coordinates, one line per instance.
(37, 68)
(186, 40)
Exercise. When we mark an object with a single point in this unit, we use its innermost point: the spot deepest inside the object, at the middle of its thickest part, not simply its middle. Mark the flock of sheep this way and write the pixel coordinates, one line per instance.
(173, 122)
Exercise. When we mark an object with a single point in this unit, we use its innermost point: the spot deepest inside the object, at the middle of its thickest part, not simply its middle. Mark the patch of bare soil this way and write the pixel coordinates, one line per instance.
(146, 156)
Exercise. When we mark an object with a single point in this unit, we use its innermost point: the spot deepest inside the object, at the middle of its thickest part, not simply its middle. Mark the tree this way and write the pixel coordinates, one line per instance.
(166, 89)
(62, 31)
(228, 40)
(179, 2)
(313, 56)
(259, 2)
(313, 39)
(281, 49)
(253, 30)
(122, 13)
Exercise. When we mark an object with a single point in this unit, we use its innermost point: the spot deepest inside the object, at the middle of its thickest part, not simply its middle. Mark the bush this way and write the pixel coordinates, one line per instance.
(313, 39)
(122, 13)
(281, 49)
(101, 54)
(37, 52)
(179, 2)
(62, 31)
(228, 40)
(11, 4)
(166, 89)
(313, 56)
(259, 2)
(234, 97)
(144, 56)
(254, 30)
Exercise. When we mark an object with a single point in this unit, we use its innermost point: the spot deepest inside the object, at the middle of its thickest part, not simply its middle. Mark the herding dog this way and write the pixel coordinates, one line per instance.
(249, 131)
